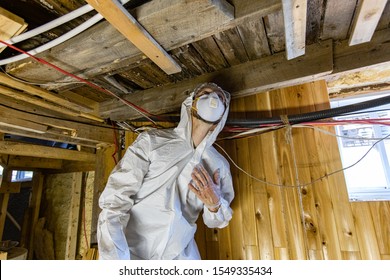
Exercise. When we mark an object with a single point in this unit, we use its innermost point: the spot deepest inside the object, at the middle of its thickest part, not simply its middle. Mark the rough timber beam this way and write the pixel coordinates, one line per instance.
(366, 21)
(20, 149)
(248, 78)
(294, 15)
(118, 52)
(126, 24)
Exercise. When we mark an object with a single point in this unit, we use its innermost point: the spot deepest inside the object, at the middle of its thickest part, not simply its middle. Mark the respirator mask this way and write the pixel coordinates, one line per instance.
(208, 104)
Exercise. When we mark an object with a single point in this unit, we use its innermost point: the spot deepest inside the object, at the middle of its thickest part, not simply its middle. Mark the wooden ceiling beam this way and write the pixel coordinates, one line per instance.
(366, 20)
(244, 79)
(30, 163)
(169, 22)
(294, 15)
(264, 74)
(126, 24)
(47, 136)
(30, 150)
(18, 95)
(42, 93)
(66, 130)
(348, 59)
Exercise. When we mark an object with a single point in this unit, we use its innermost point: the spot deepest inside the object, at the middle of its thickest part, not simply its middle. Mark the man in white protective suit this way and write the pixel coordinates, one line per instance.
(155, 194)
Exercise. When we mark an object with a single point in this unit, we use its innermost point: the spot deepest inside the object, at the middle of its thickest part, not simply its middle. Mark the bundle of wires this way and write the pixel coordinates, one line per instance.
(238, 128)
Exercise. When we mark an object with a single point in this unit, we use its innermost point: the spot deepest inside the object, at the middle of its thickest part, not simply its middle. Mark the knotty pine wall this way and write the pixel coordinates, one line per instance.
(315, 221)
(312, 222)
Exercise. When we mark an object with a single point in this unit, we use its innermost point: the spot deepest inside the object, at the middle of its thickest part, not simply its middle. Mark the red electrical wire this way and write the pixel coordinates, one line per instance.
(42, 61)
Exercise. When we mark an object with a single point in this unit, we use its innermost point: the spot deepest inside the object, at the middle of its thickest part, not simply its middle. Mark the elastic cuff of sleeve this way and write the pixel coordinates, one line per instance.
(214, 206)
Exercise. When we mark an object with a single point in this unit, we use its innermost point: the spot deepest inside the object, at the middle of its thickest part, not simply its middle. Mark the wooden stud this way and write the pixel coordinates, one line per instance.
(35, 205)
(104, 166)
(294, 15)
(20, 149)
(44, 94)
(74, 213)
(42, 103)
(367, 17)
(126, 24)
(240, 80)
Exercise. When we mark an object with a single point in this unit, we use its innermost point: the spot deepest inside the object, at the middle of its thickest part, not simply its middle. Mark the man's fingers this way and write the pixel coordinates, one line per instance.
(205, 174)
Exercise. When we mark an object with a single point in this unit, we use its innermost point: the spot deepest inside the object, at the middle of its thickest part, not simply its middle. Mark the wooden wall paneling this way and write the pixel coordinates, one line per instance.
(246, 191)
(272, 173)
(35, 205)
(236, 224)
(292, 205)
(339, 195)
(306, 152)
(255, 104)
(307, 104)
(200, 238)
(212, 243)
(225, 248)
(338, 215)
(380, 213)
(368, 244)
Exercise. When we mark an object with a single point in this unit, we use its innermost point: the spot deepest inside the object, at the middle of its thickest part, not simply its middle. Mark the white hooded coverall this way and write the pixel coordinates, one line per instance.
(148, 211)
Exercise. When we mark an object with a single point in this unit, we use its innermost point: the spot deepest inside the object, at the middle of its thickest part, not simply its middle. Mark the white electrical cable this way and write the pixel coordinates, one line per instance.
(55, 42)
(96, 18)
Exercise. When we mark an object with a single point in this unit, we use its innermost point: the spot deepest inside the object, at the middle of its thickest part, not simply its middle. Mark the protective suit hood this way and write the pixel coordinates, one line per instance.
(185, 125)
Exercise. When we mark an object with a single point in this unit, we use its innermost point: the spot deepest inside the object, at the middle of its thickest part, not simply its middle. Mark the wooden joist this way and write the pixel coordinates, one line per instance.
(31, 163)
(240, 80)
(348, 59)
(42, 93)
(366, 20)
(26, 124)
(294, 15)
(18, 95)
(10, 25)
(19, 149)
(35, 205)
(126, 24)
(153, 16)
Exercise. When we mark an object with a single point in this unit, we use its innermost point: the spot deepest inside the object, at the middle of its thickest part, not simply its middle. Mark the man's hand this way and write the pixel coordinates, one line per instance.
(207, 189)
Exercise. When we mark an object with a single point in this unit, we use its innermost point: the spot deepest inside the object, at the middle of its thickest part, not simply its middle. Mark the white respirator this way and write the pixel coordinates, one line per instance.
(209, 107)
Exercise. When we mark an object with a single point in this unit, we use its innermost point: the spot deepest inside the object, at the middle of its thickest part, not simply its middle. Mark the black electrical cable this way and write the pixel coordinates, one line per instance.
(312, 116)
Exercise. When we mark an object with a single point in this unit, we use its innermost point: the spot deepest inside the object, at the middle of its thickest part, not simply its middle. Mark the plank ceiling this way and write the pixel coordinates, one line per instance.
(239, 44)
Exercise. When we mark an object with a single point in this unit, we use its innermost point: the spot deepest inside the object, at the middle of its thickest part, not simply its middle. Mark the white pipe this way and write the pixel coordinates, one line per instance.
(58, 40)
(50, 25)
(55, 42)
